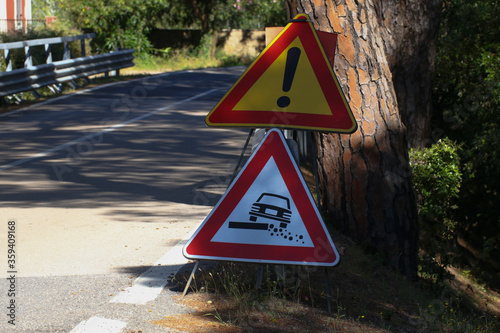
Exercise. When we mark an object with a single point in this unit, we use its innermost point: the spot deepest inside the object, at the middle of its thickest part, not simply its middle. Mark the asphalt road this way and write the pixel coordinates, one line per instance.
(100, 188)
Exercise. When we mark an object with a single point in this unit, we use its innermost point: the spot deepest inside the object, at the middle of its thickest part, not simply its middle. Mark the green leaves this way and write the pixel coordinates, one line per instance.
(118, 24)
(437, 180)
(126, 23)
(466, 107)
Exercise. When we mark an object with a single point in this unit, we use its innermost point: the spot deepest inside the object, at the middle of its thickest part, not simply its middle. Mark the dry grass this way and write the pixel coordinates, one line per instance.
(366, 297)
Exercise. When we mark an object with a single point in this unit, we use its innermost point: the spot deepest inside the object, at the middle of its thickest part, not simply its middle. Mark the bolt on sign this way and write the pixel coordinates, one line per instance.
(291, 85)
(267, 215)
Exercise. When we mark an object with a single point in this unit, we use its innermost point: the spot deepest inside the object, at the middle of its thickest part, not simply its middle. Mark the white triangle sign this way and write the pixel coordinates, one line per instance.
(266, 215)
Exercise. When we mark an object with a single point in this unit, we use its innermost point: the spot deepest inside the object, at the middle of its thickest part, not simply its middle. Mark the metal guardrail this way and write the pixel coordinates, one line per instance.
(30, 78)
(14, 81)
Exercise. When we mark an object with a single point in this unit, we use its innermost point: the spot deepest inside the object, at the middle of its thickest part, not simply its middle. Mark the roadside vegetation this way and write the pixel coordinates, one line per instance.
(455, 178)
(366, 294)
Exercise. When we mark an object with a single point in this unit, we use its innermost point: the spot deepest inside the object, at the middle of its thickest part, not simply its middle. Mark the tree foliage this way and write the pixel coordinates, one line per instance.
(437, 180)
(255, 14)
(126, 24)
(118, 24)
(466, 104)
(42, 8)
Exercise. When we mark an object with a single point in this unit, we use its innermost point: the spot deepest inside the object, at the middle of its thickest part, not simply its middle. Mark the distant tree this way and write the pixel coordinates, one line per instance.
(42, 8)
(255, 14)
(118, 24)
(210, 15)
(126, 24)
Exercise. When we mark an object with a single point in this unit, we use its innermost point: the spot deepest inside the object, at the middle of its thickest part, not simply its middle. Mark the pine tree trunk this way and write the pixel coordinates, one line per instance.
(365, 177)
(410, 33)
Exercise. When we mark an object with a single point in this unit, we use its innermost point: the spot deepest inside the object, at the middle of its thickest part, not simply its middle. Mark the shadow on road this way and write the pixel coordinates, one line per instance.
(164, 157)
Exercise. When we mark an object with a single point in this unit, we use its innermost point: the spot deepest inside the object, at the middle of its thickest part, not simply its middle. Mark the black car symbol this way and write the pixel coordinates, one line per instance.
(273, 207)
(269, 206)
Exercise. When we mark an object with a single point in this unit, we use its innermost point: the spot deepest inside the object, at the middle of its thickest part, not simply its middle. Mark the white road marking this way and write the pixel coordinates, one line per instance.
(107, 130)
(150, 284)
(144, 289)
(99, 325)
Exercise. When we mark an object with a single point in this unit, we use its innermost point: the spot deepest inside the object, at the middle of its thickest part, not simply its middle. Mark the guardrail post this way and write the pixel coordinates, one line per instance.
(8, 67)
(28, 60)
(8, 62)
(67, 54)
(48, 54)
(82, 47)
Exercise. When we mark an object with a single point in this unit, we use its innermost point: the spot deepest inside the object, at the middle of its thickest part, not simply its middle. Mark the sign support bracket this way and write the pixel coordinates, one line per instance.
(318, 204)
(236, 168)
(316, 172)
(328, 298)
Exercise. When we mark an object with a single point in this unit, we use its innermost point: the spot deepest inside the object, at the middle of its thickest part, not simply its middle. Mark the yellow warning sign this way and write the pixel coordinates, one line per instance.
(291, 84)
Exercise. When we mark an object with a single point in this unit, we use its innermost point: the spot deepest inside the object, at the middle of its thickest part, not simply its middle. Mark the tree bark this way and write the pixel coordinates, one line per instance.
(410, 30)
(366, 177)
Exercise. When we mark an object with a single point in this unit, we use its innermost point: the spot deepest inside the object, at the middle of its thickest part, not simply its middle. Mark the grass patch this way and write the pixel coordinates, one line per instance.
(175, 60)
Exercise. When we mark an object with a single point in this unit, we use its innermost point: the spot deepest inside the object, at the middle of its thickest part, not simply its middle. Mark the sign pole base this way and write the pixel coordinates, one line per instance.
(197, 263)
(260, 272)
(328, 301)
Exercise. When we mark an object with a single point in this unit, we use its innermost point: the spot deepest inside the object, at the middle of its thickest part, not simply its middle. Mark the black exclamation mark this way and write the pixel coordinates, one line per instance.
(292, 59)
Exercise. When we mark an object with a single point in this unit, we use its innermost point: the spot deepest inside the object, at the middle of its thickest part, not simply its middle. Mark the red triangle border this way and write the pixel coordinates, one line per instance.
(323, 253)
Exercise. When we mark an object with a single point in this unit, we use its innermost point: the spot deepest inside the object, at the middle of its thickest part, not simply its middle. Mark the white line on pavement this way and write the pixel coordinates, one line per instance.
(150, 284)
(99, 325)
(107, 130)
(144, 289)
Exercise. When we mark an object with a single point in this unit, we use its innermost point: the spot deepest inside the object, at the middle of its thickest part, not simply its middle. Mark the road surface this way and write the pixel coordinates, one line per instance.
(99, 190)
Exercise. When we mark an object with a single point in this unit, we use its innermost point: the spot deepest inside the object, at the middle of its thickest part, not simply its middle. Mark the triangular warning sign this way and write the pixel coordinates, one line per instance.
(266, 215)
(291, 84)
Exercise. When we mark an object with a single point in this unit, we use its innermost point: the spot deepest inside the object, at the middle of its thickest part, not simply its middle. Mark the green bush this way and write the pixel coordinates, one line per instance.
(437, 179)
(117, 24)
